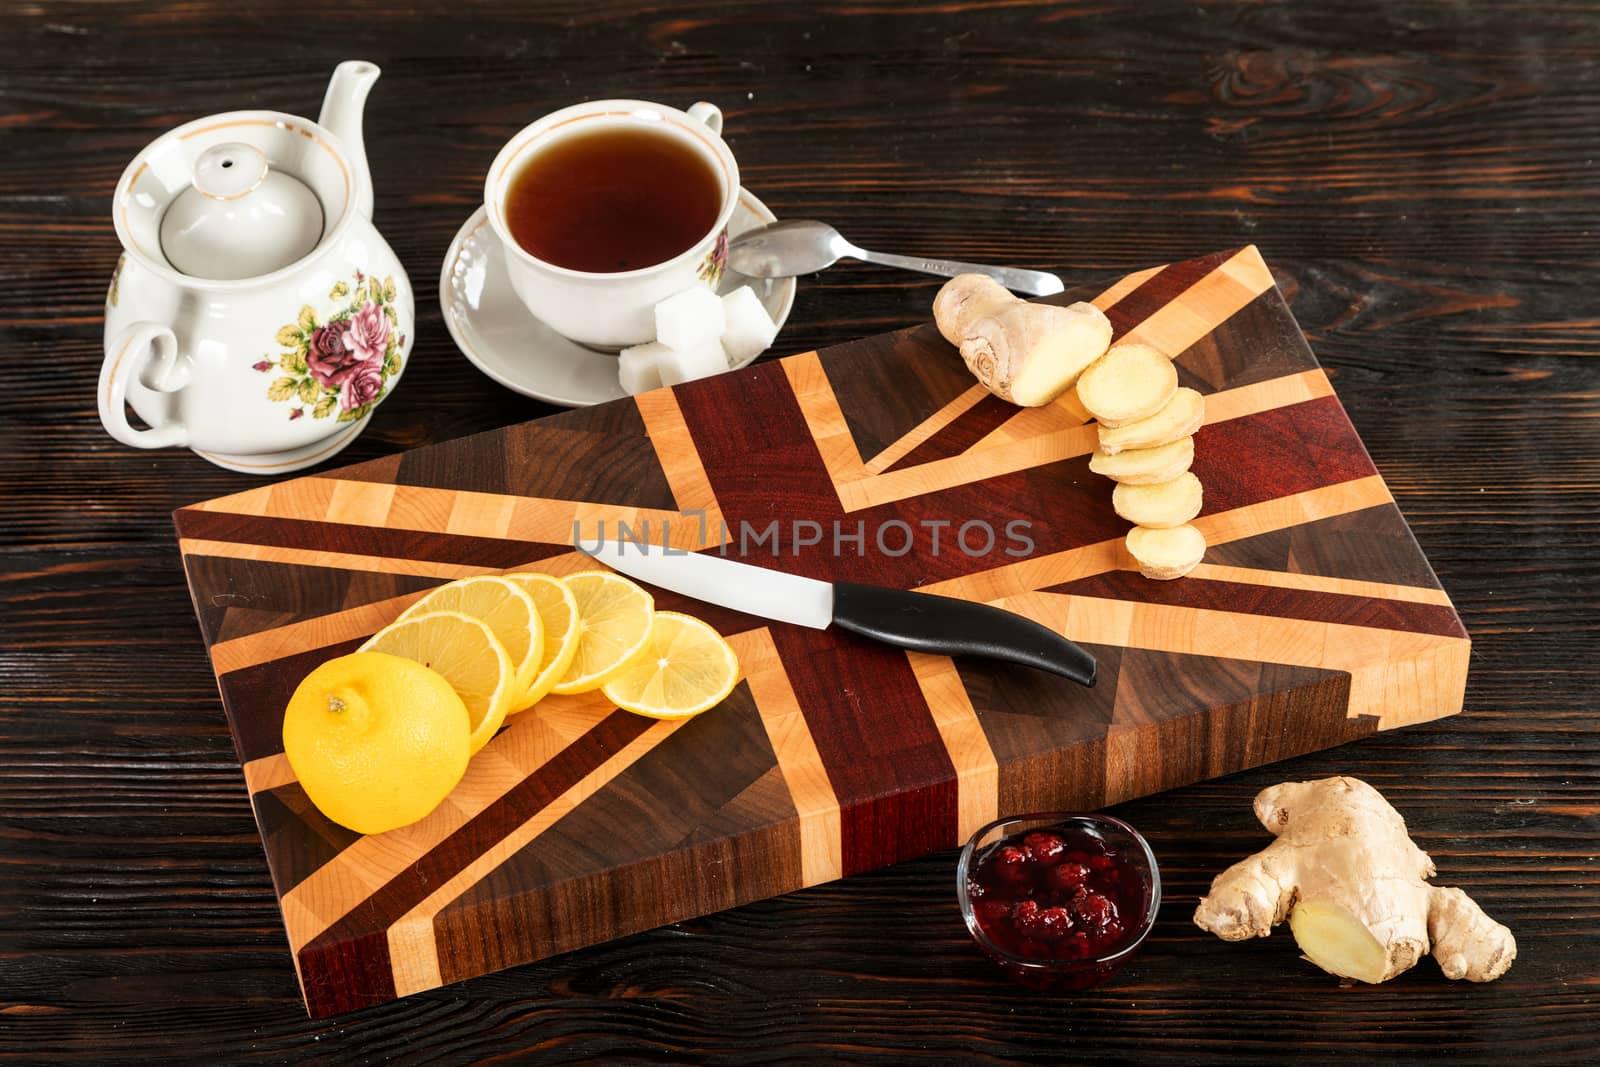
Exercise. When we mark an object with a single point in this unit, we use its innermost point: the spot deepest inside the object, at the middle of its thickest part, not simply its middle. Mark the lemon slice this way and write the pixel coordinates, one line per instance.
(504, 607)
(558, 612)
(686, 668)
(614, 618)
(467, 653)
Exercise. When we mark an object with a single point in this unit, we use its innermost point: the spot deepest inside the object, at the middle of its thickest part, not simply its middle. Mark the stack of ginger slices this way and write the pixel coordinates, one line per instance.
(1147, 425)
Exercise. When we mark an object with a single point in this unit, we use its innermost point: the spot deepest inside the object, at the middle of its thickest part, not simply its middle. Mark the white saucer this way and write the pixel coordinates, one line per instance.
(503, 339)
(294, 459)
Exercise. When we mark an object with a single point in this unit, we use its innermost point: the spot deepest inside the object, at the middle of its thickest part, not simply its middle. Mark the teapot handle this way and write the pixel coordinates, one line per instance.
(149, 350)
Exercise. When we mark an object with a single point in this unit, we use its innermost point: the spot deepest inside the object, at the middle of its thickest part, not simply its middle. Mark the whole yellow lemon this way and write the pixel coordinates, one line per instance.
(376, 740)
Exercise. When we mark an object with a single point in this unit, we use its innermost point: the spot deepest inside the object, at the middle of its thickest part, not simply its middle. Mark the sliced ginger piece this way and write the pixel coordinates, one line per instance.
(1146, 466)
(1161, 505)
(1026, 353)
(1130, 382)
(1166, 554)
(1352, 884)
(1181, 417)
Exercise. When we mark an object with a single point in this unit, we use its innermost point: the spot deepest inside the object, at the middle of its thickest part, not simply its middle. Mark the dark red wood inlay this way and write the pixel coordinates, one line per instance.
(1277, 453)
(352, 972)
(884, 757)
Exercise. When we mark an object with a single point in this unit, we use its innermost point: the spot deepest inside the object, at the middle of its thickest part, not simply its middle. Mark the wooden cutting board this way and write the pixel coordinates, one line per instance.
(1314, 620)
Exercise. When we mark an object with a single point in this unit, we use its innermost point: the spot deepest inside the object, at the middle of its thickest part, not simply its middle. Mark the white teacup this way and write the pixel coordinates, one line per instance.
(612, 311)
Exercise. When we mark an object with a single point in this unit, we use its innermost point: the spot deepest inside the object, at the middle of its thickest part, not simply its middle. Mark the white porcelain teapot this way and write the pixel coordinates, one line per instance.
(255, 316)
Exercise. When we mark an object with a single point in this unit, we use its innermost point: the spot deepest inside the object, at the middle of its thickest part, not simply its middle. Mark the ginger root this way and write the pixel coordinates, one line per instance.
(1350, 881)
(1026, 353)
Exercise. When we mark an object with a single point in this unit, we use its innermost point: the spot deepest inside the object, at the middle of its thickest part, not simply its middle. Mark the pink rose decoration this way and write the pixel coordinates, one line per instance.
(329, 357)
(368, 335)
(362, 387)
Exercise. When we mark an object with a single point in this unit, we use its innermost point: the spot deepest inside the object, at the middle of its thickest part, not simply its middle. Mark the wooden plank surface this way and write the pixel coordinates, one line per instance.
(1419, 175)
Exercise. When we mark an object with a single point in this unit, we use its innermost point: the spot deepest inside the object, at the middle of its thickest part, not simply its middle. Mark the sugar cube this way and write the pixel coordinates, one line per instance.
(639, 367)
(685, 365)
(749, 330)
(688, 319)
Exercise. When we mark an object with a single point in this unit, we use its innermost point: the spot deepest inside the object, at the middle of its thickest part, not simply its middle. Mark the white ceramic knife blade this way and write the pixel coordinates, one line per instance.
(752, 590)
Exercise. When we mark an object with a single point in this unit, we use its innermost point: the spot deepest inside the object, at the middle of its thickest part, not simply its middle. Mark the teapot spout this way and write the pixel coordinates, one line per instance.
(341, 115)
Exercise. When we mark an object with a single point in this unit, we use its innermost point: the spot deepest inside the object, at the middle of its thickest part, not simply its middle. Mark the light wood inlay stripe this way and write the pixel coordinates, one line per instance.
(297, 637)
(977, 773)
(1414, 594)
(364, 504)
(347, 561)
(966, 468)
(1068, 438)
(1057, 568)
(268, 772)
(820, 408)
(410, 507)
(821, 836)
(1292, 510)
(1206, 304)
(1127, 285)
(675, 451)
(303, 496)
(413, 950)
(565, 563)
(1266, 396)
(1396, 676)
(925, 429)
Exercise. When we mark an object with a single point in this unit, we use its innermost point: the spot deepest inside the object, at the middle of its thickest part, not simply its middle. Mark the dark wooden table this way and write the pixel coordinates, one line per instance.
(1422, 177)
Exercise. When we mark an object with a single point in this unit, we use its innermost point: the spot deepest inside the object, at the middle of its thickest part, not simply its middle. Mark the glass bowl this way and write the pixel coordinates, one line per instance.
(1059, 959)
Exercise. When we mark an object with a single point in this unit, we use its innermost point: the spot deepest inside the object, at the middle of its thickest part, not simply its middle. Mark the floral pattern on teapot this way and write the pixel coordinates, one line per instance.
(343, 363)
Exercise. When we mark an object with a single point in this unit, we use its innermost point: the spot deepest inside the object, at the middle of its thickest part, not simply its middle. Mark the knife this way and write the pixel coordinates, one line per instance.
(921, 622)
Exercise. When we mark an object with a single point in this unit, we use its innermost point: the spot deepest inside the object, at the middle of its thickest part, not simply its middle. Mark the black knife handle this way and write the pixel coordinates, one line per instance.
(947, 626)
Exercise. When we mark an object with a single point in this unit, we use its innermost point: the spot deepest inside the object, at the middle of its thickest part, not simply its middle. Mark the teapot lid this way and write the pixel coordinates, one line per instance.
(240, 218)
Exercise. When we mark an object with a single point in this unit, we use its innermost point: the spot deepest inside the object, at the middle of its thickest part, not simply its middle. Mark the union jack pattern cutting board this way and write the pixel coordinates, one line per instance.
(1314, 620)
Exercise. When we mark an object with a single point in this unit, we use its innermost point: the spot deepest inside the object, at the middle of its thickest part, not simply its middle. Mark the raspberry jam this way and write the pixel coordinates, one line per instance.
(1065, 895)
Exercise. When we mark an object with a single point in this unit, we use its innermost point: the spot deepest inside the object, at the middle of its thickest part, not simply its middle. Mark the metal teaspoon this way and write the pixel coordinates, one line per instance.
(800, 246)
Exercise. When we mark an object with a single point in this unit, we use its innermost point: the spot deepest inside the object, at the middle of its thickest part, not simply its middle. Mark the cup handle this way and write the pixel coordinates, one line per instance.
(149, 350)
(709, 115)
